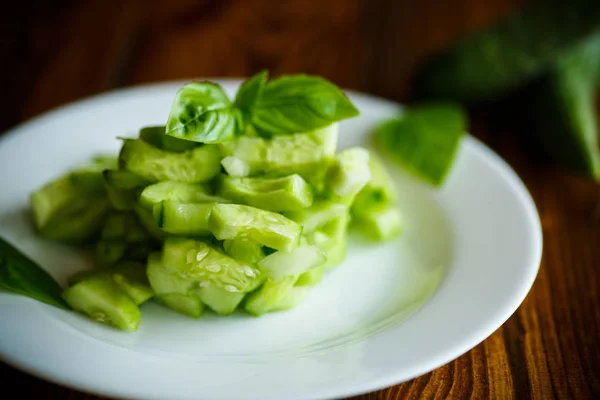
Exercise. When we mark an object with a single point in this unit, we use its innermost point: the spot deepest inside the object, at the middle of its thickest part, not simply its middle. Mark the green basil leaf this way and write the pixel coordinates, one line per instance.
(202, 112)
(249, 93)
(424, 140)
(21, 275)
(299, 103)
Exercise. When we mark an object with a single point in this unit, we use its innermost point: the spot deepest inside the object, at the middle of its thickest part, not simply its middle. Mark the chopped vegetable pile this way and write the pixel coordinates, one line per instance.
(231, 205)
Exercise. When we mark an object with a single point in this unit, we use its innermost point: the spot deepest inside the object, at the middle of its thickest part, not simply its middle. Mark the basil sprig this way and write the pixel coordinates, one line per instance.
(21, 275)
(289, 104)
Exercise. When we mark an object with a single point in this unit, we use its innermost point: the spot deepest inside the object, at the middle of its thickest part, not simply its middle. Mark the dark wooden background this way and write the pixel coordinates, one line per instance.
(53, 52)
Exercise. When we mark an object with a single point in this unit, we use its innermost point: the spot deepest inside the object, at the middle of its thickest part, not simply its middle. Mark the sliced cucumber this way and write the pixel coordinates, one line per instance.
(270, 296)
(295, 262)
(183, 219)
(218, 299)
(348, 174)
(379, 193)
(104, 301)
(244, 250)
(132, 279)
(79, 222)
(302, 153)
(155, 135)
(171, 289)
(180, 192)
(198, 261)
(196, 165)
(234, 221)
(318, 215)
(381, 225)
(148, 221)
(287, 193)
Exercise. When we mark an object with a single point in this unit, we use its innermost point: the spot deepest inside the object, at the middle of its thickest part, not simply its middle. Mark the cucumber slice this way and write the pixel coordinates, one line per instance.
(500, 58)
(148, 221)
(155, 136)
(348, 174)
(234, 221)
(244, 250)
(196, 260)
(100, 298)
(235, 167)
(318, 215)
(302, 153)
(196, 165)
(132, 279)
(270, 295)
(125, 228)
(292, 298)
(89, 177)
(79, 222)
(171, 289)
(295, 262)
(121, 179)
(109, 252)
(379, 193)
(218, 299)
(287, 193)
(180, 192)
(183, 219)
(381, 225)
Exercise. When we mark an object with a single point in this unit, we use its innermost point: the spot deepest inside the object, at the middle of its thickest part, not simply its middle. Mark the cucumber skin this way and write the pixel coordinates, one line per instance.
(565, 122)
(489, 63)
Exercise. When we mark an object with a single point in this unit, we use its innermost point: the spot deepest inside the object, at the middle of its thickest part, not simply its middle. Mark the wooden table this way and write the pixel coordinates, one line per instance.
(54, 52)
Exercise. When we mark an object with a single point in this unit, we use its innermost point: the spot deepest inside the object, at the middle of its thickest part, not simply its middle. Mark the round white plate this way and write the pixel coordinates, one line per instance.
(468, 256)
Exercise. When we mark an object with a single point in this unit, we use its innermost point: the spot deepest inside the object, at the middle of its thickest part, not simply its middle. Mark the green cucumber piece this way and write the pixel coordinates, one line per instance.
(109, 252)
(295, 262)
(147, 220)
(492, 62)
(234, 221)
(89, 176)
(270, 296)
(101, 299)
(183, 219)
(244, 250)
(294, 297)
(348, 174)
(121, 179)
(235, 166)
(124, 227)
(424, 140)
(287, 193)
(196, 260)
(564, 110)
(381, 225)
(302, 153)
(196, 165)
(155, 136)
(171, 289)
(318, 215)
(132, 279)
(379, 193)
(79, 222)
(218, 299)
(19, 274)
(181, 192)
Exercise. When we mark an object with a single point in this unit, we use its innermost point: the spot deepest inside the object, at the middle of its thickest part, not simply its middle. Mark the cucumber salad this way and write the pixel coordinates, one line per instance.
(236, 204)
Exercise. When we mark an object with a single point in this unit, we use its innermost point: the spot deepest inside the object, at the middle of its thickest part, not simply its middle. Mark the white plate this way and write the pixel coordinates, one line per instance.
(469, 255)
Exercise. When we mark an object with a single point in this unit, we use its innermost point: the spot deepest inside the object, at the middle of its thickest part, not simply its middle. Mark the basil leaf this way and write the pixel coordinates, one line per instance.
(202, 112)
(299, 103)
(424, 140)
(249, 93)
(21, 275)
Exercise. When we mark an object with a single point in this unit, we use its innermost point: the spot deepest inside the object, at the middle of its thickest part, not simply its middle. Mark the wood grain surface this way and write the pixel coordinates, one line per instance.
(55, 52)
